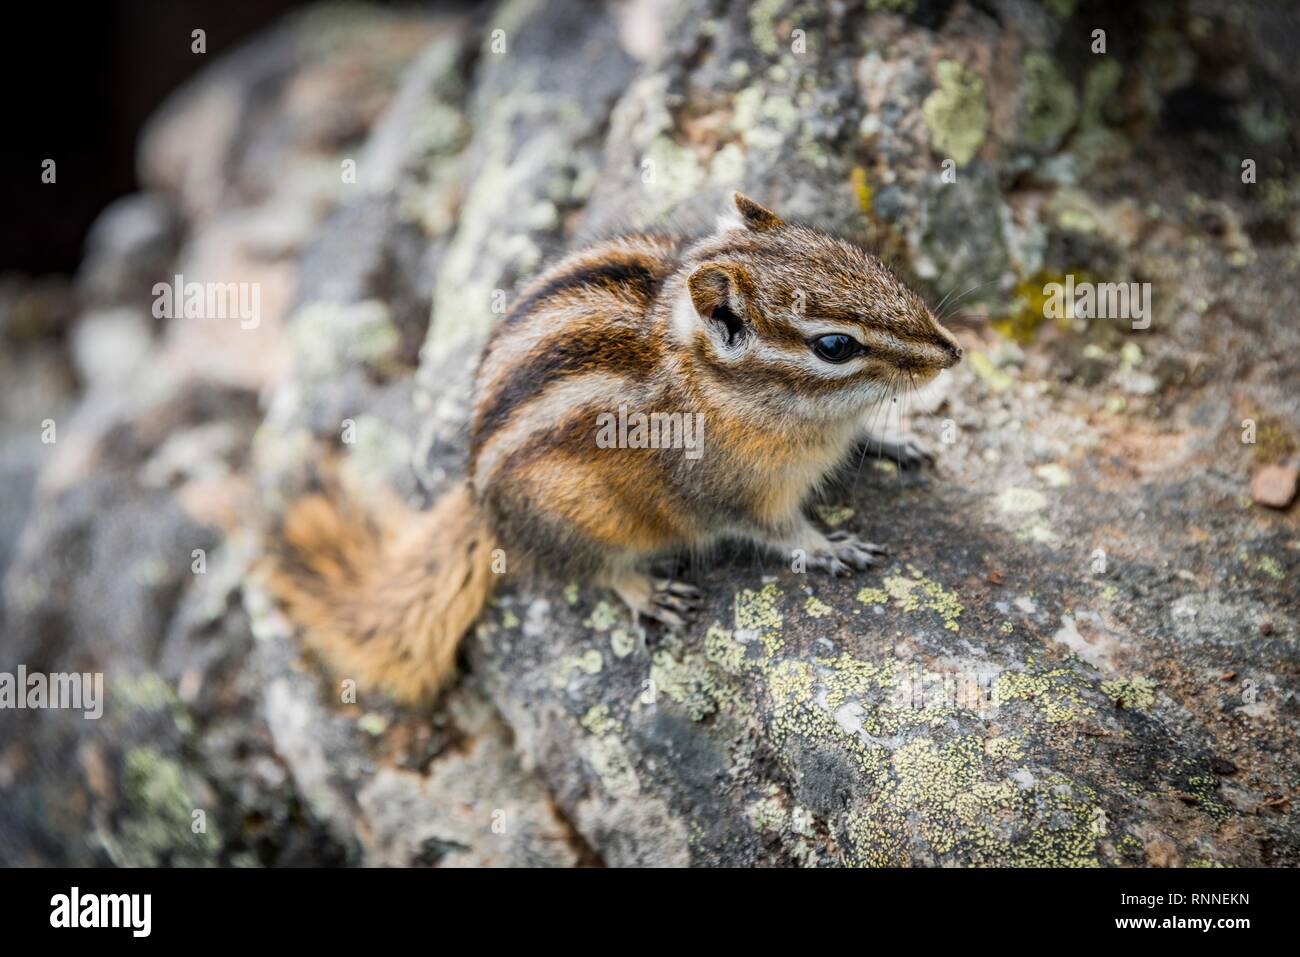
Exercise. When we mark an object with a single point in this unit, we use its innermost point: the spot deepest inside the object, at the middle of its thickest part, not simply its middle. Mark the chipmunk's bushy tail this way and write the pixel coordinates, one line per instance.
(384, 596)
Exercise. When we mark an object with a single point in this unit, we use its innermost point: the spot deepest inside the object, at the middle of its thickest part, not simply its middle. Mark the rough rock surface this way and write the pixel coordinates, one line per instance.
(1083, 649)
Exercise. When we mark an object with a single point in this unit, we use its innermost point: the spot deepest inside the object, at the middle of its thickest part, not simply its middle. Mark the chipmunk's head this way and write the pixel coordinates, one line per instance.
(803, 322)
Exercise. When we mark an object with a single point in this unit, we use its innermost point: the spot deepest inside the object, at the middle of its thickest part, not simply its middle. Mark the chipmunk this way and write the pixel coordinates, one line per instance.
(779, 336)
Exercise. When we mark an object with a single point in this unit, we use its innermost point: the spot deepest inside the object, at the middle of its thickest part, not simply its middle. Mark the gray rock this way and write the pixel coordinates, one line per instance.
(1081, 650)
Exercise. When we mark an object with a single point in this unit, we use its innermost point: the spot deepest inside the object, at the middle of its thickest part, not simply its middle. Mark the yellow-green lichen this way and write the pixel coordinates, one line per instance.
(833, 515)
(873, 596)
(144, 691)
(148, 691)
(598, 720)
(723, 650)
(759, 613)
(758, 610)
(622, 642)
(993, 377)
(1270, 567)
(1020, 500)
(1004, 748)
(610, 760)
(590, 662)
(1133, 692)
(764, 118)
(1048, 104)
(956, 112)
(846, 677)
(1057, 693)
(934, 792)
(1273, 442)
(603, 617)
(954, 806)
(917, 593)
(373, 723)
(691, 682)
(158, 827)
(1026, 503)
(1028, 309)
(1053, 475)
(790, 684)
(768, 813)
(881, 837)
(762, 25)
(1205, 789)
(607, 753)
(816, 608)
(862, 190)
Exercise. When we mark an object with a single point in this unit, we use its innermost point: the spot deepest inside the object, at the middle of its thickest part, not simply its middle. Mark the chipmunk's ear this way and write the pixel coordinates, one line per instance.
(719, 293)
(750, 215)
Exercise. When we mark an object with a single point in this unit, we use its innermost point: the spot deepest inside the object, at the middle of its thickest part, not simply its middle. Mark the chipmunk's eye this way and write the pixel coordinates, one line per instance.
(836, 347)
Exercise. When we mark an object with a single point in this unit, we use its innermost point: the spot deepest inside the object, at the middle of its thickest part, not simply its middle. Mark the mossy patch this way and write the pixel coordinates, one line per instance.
(873, 596)
(758, 613)
(1056, 693)
(692, 682)
(598, 720)
(1029, 305)
(1048, 104)
(723, 650)
(833, 515)
(992, 376)
(940, 793)
(590, 662)
(816, 608)
(159, 827)
(956, 112)
(918, 592)
(603, 617)
(1270, 567)
(1134, 693)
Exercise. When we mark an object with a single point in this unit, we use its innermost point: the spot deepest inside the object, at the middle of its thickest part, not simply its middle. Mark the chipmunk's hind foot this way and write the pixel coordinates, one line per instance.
(665, 600)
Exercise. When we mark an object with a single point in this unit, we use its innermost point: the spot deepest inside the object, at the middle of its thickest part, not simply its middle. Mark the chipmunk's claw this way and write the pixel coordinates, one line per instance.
(665, 600)
(846, 553)
(673, 602)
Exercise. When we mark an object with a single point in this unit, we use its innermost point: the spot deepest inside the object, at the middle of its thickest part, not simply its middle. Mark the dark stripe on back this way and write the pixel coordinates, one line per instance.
(636, 274)
(614, 349)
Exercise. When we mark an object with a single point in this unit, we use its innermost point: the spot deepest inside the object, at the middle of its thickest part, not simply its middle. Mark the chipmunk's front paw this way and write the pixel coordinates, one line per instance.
(844, 553)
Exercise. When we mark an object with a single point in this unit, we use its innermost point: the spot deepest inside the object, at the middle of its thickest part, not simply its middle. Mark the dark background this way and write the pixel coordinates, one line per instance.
(81, 80)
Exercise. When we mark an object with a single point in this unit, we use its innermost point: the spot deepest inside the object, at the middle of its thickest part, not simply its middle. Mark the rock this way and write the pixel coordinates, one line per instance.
(1072, 629)
(1275, 485)
(130, 247)
(109, 346)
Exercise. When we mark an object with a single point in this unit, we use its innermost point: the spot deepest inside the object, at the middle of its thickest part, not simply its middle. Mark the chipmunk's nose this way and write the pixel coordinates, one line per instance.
(951, 351)
(942, 338)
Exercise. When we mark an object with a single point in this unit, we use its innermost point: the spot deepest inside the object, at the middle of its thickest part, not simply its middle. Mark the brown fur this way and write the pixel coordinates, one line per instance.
(385, 598)
(721, 326)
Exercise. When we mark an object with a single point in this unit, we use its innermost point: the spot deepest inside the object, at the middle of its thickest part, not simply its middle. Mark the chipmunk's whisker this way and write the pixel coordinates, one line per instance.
(958, 300)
